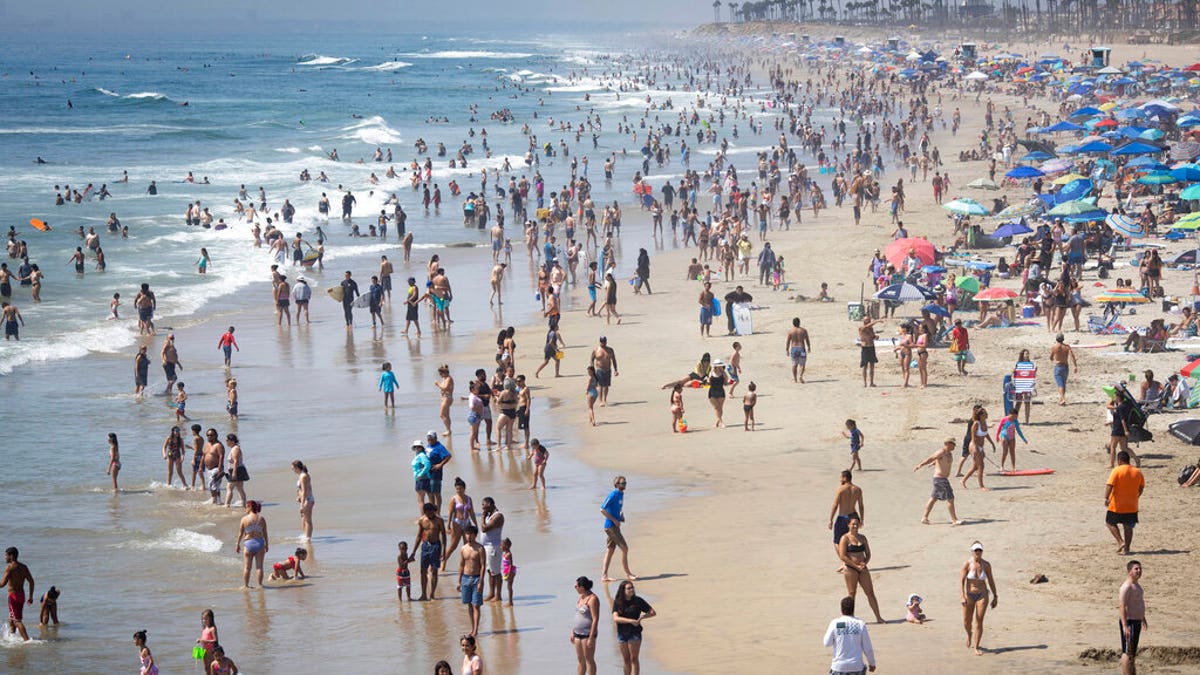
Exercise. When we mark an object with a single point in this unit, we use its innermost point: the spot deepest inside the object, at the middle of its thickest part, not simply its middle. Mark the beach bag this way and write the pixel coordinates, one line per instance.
(1185, 473)
(954, 348)
(968, 357)
(241, 475)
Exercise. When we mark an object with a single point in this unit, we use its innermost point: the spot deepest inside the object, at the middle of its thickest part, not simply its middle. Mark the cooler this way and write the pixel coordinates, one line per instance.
(854, 311)
(1029, 311)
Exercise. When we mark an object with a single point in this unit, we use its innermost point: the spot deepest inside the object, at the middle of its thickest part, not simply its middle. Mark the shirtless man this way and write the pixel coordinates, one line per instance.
(797, 349)
(848, 499)
(442, 296)
(212, 463)
(431, 538)
(472, 563)
(941, 461)
(170, 361)
(11, 315)
(867, 360)
(1059, 354)
(497, 235)
(15, 576)
(1131, 605)
(497, 277)
(385, 277)
(604, 360)
(146, 303)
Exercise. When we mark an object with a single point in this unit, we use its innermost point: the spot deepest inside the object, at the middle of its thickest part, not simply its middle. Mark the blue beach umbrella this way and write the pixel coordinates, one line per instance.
(1157, 179)
(936, 310)
(1037, 156)
(1190, 192)
(1137, 148)
(1087, 111)
(1187, 172)
(1125, 225)
(1062, 126)
(933, 269)
(905, 292)
(1011, 230)
(1094, 146)
(1024, 171)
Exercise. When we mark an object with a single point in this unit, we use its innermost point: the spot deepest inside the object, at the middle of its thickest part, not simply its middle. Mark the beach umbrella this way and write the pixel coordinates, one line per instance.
(1011, 230)
(1068, 178)
(1146, 163)
(1157, 179)
(933, 269)
(1056, 165)
(1126, 295)
(968, 284)
(1023, 171)
(976, 76)
(1106, 123)
(1151, 134)
(905, 292)
(1087, 111)
(1062, 126)
(1185, 225)
(898, 250)
(1125, 225)
(936, 310)
(1190, 192)
(1191, 370)
(1076, 208)
(1187, 172)
(1109, 70)
(1094, 146)
(1029, 208)
(1037, 156)
(1137, 148)
(966, 207)
(995, 293)
(983, 184)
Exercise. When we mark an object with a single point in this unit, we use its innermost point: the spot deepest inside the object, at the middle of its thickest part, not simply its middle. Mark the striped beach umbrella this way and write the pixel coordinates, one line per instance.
(1126, 295)
(906, 292)
(1125, 225)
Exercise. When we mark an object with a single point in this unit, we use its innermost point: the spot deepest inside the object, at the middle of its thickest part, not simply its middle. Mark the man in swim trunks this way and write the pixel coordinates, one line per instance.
(1132, 611)
(431, 538)
(170, 361)
(1059, 354)
(146, 303)
(613, 509)
(212, 462)
(492, 525)
(472, 563)
(942, 492)
(604, 360)
(797, 349)
(439, 456)
(848, 499)
(866, 341)
(15, 576)
(10, 315)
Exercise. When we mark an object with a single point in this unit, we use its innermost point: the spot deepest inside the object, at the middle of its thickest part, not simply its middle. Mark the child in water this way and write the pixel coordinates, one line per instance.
(748, 402)
(148, 667)
(387, 384)
(507, 569)
(49, 607)
(280, 569)
(112, 307)
(181, 403)
(403, 576)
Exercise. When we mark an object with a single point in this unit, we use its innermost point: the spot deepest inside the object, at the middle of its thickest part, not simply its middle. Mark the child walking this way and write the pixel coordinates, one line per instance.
(508, 570)
(856, 442)
(748, 402)
(387, 384)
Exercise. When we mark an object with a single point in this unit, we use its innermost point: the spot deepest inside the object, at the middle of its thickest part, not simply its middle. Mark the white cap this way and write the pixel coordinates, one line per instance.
(977, 546)
(431, 434)
(418, 444)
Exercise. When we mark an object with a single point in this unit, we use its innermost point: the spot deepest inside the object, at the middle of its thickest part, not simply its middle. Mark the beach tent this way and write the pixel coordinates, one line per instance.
(1188, 430)
(983, 184)
(1022, 171)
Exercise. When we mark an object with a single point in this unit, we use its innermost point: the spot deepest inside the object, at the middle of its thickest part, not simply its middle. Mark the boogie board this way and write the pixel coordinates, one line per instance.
(335, 292)
(743, 322)
(1027, 472)
(39, 224)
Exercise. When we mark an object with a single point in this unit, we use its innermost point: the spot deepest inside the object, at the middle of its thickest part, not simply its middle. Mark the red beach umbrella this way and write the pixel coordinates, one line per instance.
(898, 250)
(996, 294)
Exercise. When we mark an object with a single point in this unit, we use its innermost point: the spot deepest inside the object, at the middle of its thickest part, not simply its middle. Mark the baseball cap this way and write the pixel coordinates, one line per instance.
(977, 546)
(603, 338)
(418, 444)
(431, 434)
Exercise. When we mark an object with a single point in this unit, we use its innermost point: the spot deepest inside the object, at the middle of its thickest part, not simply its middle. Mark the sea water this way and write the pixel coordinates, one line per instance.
(258, 111)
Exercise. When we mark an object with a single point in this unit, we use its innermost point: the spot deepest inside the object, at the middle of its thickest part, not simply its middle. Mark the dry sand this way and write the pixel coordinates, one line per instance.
(741, 569)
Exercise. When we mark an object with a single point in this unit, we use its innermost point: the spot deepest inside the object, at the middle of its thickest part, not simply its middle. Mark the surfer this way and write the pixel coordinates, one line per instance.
(349, 292)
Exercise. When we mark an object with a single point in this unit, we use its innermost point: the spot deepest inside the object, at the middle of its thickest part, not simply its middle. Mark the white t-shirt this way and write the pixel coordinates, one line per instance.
(848, 637)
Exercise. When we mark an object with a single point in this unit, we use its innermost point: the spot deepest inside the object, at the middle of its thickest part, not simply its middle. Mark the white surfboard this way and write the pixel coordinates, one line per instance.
(743, 322)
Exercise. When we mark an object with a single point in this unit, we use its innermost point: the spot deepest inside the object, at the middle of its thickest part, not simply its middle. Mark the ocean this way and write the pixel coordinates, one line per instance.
(259, 111)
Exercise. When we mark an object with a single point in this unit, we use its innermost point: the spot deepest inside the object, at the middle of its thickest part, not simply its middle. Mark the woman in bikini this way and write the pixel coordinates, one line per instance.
(237, 474)
(904, 353)
(855, 553)
(979, 434)
(923, 340)
(172, 452)
(974, 581)
(462, 513)
(252, 532)
(593, 391)
(446, 387)
(507, 402)
(304, 497)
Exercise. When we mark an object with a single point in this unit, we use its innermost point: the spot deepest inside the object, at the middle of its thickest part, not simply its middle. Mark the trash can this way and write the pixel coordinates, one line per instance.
(854, 311)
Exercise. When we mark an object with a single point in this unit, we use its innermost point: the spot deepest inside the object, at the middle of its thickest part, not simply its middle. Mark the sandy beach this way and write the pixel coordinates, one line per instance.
(727, 528)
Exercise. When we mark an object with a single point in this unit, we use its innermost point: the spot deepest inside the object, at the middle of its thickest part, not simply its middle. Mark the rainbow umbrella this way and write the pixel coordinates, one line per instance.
(1126, 295)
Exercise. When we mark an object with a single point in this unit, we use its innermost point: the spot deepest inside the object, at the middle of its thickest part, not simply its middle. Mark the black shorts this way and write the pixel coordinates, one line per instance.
(1129, 519)
(867, 356)
(1130, 646)
(386, 283)
(603, 377)
(169, 370)
(523, 418)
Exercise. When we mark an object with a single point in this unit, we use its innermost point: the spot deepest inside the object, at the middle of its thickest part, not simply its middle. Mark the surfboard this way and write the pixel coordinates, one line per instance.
(335, 293)
(743, 321)
(1098, 345)
(361, 301)
(39, 225)
(1027, 472)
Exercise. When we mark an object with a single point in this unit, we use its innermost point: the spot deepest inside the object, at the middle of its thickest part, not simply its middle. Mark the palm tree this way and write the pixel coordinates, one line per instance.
(716, 11)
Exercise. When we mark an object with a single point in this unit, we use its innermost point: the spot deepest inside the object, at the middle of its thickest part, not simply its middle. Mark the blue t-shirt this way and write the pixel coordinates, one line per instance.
(613, 504)
(437, 453)
(420, 466)
(855, 440)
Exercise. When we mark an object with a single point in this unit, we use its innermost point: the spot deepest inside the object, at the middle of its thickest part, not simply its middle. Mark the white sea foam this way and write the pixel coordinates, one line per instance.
(387, 66)
(178, 539)
(147, 94)
(291, 150)
(104, 91)
(109, 338)
(315, 148)
(372, 131)
(319, 60)
(466, 55)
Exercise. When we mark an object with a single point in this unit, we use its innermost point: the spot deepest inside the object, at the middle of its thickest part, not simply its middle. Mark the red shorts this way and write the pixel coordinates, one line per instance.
(16, 606)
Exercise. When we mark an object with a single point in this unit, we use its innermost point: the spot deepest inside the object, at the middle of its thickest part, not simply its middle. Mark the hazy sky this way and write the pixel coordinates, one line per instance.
(472, 16)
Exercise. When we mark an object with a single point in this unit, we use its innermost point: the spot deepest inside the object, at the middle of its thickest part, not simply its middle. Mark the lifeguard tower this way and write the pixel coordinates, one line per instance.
(893, 44)
(1100, 56)
(969, 51)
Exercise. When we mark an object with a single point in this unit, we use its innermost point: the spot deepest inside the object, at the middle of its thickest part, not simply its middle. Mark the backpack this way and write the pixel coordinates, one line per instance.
(1185, 473)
